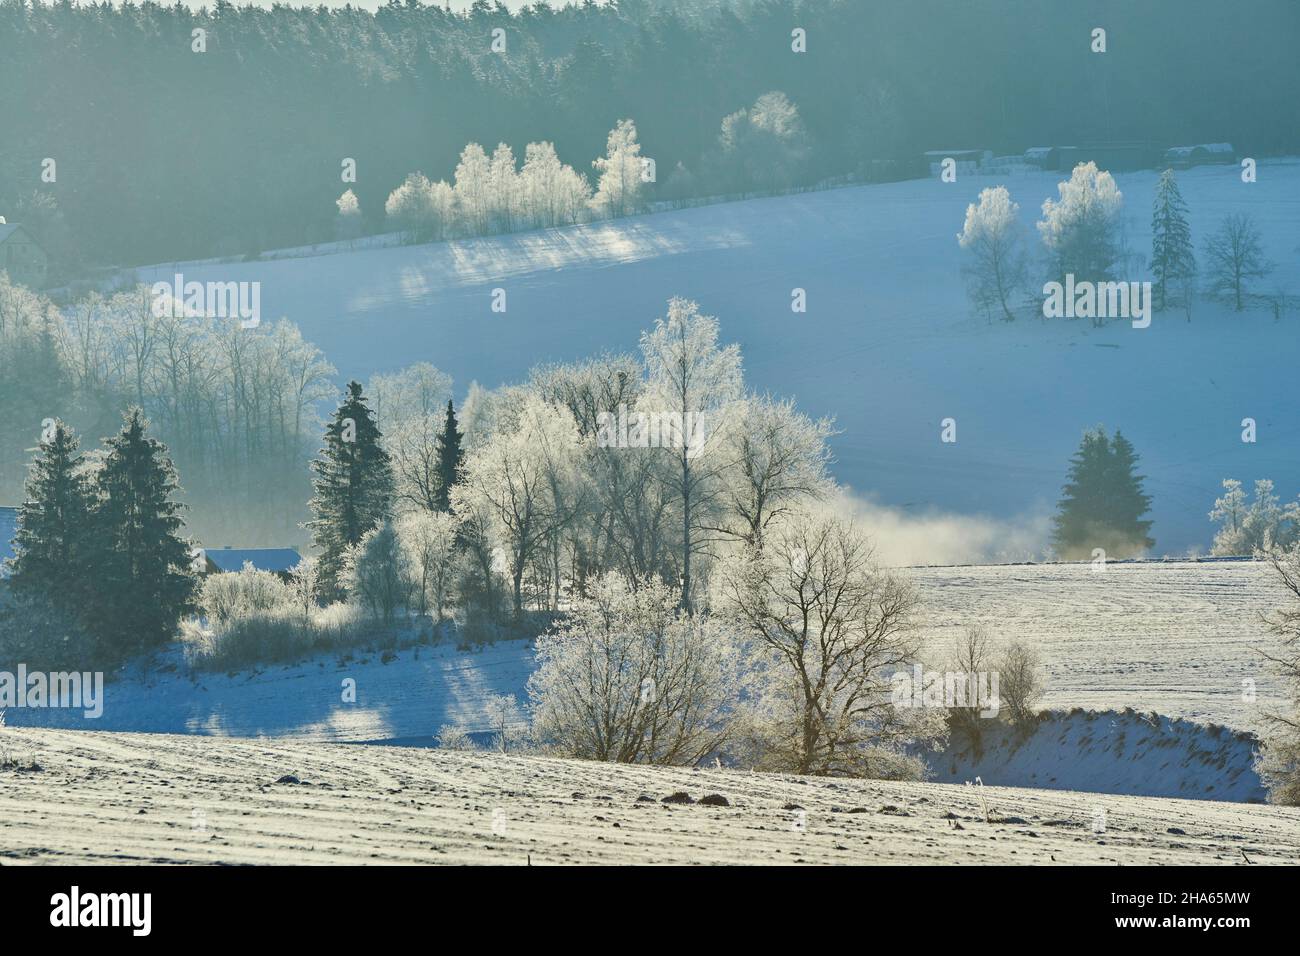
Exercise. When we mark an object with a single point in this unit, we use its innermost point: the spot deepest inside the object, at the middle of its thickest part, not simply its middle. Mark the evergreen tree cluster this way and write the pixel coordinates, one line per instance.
(355, 487)
(101, 571)
(1103, 503)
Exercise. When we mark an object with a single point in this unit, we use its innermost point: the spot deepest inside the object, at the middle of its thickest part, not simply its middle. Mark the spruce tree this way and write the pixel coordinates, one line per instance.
(1127, 502)
(354, 487)
(1102, 502)
(52, 558)
(450, 457)
(52, 564)
(142, 582)
(1172, 257)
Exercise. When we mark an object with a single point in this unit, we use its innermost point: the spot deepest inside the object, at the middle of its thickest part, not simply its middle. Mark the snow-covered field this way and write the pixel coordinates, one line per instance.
(1176, 638)
(888, 345)
(1171, 639)
(150, 799)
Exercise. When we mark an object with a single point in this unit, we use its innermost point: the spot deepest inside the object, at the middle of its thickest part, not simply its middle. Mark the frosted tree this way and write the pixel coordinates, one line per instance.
(1230, 509)
(828, 629)
(619, 190)
(474, 190)
(428, 543)
(347, 223)
(303, 584)
(991, 237)
(629, 523)
(1080, 228)
(1172, 259)
(628, 677)
(1234, 256)
(777, 460)
(1262, 524)
(763, 147)
(375, 574)
(421, 210)
(550, 193)
(694, 381)
(1279, 764)
(504, 189)
(509, 728)
(539, 186)
(409, 411)
(510, 481)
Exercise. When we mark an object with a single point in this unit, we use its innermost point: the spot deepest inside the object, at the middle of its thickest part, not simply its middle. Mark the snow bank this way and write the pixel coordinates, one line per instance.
(1112, 752)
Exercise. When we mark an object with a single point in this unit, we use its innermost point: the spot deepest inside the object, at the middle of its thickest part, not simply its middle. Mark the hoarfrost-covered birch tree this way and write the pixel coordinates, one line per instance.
(618, 192)
(511, 479)
(694, 381)
(1079, 228)
(991, 236)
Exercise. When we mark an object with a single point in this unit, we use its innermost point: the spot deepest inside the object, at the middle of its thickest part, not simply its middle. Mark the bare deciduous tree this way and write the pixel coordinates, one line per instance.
(829, 629)
(1233, 256)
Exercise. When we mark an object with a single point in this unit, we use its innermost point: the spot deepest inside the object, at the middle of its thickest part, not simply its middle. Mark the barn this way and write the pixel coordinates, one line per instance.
(1185, 157)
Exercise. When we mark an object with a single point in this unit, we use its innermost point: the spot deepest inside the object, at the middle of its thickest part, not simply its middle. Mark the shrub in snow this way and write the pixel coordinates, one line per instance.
(1021, 681)
(455, 737)
(970, 656)
(376, 574)
(629, 677)
(226, 597)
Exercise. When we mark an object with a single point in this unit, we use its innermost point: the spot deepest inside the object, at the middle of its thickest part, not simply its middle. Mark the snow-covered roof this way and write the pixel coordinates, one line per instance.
(1039, 151)
(8, 528)
(7, 230)
(263, 559)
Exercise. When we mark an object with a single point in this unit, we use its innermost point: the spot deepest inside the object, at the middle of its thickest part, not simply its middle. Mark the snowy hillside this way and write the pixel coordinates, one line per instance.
(128, 798)
(888, 346)
(1109, 752)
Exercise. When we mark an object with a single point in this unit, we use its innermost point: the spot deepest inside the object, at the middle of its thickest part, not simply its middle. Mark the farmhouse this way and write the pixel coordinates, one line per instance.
(279, 561)
(1185, 157)
(21, 256)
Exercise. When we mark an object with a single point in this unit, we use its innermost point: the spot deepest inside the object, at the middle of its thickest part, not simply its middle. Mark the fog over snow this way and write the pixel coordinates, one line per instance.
(888, 346)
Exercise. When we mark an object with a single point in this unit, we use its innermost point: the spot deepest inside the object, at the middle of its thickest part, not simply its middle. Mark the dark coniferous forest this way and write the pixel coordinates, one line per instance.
(164, 154)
